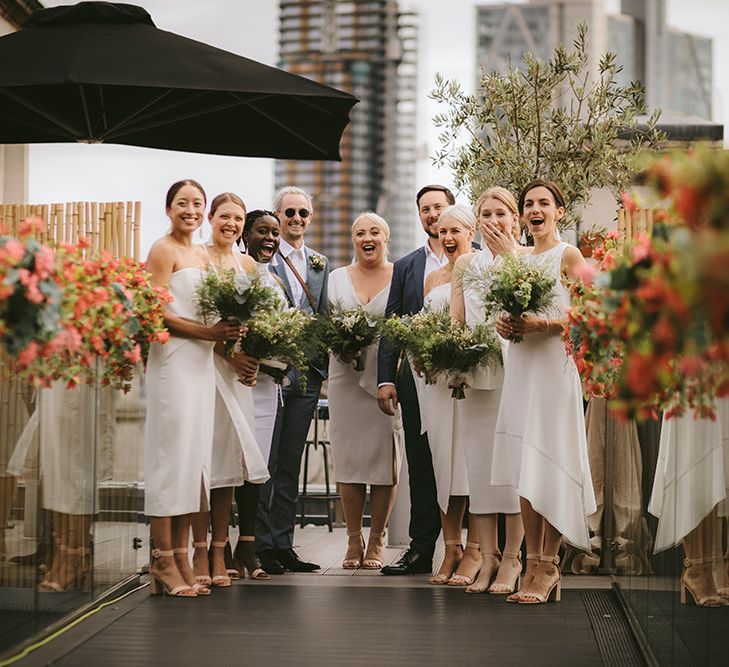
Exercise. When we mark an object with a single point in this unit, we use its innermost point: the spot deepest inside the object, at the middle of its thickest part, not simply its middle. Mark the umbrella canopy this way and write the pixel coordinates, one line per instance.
(102, 72)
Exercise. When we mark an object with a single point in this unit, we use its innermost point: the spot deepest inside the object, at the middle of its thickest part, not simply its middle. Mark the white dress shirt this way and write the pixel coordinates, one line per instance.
(298, 259)
(432, 261)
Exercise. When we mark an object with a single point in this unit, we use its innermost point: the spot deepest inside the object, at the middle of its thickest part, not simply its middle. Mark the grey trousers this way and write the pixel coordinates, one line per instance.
(280, 494)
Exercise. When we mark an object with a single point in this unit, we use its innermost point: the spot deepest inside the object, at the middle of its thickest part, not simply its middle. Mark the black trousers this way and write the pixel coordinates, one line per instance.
(424, 513)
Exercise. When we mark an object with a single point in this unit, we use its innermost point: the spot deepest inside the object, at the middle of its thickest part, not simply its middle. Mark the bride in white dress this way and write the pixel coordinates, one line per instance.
(540, 448)
(475, 415)
(366, 443)
(235, 455)
(180, 383)
(456, 228)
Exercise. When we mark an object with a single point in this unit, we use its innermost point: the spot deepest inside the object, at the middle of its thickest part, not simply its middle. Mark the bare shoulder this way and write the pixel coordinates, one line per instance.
(247, 262)
(571, 259)
(435, 278)
(162, 250)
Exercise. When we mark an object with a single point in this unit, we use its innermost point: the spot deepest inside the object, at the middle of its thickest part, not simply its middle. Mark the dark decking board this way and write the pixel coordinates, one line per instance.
(289, 624)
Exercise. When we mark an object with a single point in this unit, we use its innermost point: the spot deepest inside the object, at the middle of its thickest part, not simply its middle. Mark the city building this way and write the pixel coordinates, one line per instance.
(676, 67)
(367, 48)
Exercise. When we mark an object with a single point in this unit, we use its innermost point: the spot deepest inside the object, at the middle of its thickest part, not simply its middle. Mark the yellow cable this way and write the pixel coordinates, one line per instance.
(29, 649)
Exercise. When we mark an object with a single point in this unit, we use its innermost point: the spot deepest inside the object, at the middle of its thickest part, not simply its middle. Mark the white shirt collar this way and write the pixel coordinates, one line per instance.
(429, 252)
(285, 248)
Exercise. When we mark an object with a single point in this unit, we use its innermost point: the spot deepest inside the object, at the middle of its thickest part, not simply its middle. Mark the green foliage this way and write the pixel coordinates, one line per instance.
(546, 120)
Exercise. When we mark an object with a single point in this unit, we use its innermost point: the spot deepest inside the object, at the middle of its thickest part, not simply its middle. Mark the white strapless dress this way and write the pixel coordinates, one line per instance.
(178, 431)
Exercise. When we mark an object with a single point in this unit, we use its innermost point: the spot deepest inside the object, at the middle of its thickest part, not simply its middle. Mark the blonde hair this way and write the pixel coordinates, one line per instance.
(378, 220)
(290, 190)
(460, 212)
(502, 194)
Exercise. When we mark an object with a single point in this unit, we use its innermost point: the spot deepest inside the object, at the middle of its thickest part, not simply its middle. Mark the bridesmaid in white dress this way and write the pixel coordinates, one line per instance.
(456, 228)
(235, 455)
(180, 382)
(261, 237)
(366, 443)
(475, 415)
(540, 448)
(690, 485)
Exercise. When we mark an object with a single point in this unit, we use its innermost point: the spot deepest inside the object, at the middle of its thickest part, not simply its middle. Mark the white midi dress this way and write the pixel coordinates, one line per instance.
(692, 474)
(266, 393)
(178, 431)
(367, 444)
(474, 419)
(437, 411)
(540, 447)
(236, 457)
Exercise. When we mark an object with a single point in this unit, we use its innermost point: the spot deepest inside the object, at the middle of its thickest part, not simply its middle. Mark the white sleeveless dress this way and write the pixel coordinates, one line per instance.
(436, 414)
(367, 444)
(692, 474)
(266, 393)
(474, 419)
(540, 447)
(178, 431)
(236, 457)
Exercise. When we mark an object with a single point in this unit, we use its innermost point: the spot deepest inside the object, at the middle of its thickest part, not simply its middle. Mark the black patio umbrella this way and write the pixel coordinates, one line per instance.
(102, 72)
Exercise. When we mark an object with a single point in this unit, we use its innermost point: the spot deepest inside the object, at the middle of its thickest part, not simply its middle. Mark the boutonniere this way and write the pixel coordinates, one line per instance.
(316, 262)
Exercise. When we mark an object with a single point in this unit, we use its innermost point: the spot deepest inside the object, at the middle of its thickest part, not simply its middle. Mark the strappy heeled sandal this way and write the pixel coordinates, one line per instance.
(60, 577)
(374, 562)
(531, 570)
(441, 578)
(503, 585)
(460, 579)
(202, 579)
(484, 579)
(200, 589)
(159, 587)
(546, 580)
(708, 597)
(721, 576)
(219, 580)
(246, 560)
(230, 568)
(355, 553)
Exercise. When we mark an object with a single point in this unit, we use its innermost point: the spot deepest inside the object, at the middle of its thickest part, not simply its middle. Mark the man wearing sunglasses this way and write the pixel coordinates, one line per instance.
(304, 274)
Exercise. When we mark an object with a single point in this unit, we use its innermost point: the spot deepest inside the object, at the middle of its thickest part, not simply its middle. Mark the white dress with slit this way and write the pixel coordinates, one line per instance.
(540, 446)
(178, 431)
(367, 444)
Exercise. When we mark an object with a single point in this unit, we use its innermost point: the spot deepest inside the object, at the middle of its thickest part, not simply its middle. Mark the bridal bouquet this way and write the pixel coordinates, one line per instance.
(279, 339)
(437, 346)
(514, 286)
(348, 332)
(235, 296)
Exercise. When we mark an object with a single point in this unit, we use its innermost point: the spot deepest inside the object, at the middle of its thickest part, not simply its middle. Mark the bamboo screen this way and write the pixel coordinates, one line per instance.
(633, 223)
(111, 226)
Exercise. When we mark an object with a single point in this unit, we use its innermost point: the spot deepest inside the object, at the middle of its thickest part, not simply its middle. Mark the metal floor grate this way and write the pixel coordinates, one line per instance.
(612, 633)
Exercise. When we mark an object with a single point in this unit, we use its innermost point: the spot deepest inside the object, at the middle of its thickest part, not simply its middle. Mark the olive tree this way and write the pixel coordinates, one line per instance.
(546, 119)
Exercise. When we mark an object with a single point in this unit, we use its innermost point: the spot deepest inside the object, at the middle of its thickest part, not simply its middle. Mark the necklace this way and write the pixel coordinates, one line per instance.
(215, 257)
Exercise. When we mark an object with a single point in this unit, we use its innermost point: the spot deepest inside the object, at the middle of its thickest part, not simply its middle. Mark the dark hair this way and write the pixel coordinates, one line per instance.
(176, 187)
(435, 188)
(224, 198)
(252, 216)
(540, 182)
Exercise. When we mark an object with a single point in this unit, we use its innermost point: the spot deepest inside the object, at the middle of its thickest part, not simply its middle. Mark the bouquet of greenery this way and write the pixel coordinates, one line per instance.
(515, 286)
(278, 338)
(235, 296)
(348, 332)
(437, 346)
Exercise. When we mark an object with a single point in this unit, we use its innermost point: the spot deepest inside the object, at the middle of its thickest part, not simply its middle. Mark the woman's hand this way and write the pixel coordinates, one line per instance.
(226, 330)
(244, 364)
(511, 328)
(499, 242)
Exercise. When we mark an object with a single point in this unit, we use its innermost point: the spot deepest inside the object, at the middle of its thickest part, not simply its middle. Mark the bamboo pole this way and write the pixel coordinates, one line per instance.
(128, 221)
(108, 213)
(137, 218)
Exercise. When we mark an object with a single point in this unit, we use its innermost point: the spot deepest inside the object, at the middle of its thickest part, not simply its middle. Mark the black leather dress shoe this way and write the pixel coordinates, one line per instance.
(270, 563)
(411, 562)
(290, 560)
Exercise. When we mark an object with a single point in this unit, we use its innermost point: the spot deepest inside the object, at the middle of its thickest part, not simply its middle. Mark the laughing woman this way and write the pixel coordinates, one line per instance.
(540, 448)
(235, 455)
(180, 382)
(364, 445)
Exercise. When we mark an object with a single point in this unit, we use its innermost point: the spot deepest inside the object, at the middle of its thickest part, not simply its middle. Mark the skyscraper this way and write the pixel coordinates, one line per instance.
(366, 48)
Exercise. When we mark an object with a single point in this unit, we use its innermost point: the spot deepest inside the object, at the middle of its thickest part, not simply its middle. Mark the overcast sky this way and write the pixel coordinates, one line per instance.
(249, 27)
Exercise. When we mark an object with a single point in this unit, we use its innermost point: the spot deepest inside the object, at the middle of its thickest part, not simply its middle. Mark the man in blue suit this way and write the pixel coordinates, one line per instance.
(304, 274)
(397, 387)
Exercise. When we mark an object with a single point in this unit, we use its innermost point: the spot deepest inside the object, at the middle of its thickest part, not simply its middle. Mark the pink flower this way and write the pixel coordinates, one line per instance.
(45, 262)
(29, 226)
(15, 249)
(134, 355)
(585, 273)
(628, 202)
(28, 355)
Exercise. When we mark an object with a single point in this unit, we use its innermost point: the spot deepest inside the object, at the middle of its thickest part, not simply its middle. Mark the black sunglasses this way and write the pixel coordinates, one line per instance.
(291, 212)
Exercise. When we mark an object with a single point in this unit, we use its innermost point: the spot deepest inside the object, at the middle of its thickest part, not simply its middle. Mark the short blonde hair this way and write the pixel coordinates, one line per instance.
(290, 190)
(378, 220)
(497, 192)
(460, 212)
